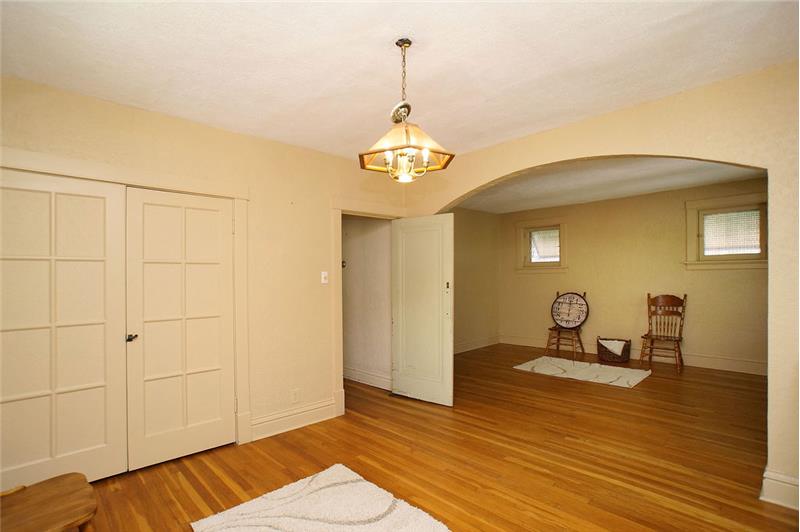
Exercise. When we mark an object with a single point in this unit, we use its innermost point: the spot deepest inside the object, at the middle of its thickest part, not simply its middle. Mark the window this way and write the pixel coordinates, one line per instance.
(727, 232)
(545, 245)
(731, 233)
(541, 246)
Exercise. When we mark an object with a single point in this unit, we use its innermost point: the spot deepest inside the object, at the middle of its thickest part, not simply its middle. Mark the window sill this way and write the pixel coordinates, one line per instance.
(746, 264)
(541, 269)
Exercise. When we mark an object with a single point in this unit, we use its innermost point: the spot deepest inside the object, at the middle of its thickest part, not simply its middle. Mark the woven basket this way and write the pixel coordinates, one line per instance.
(605, 355)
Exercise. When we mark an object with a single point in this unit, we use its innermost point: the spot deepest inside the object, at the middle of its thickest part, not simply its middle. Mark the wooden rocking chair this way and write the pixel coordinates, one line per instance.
(665, 314)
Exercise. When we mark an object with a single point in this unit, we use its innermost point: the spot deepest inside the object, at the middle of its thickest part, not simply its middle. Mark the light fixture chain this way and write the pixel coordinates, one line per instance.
(403, 84)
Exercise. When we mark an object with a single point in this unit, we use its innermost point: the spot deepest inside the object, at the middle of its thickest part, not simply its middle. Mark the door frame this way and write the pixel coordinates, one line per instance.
(367, 209)
(26, 161)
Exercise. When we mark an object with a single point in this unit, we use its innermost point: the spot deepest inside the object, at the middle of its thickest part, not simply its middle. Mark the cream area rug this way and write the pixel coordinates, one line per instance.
(336, 499)
(585, 371)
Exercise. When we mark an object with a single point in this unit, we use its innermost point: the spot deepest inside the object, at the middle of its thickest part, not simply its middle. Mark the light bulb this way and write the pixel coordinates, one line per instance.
(387, 156)
(403, 164)
(426, 154)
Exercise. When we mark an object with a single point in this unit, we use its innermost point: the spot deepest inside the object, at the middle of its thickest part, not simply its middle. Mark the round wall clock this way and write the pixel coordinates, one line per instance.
(570, 310)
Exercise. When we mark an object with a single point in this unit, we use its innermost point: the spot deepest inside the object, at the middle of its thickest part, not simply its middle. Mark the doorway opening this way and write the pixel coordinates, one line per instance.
(366, 300)
(624, 226)
(397, 304)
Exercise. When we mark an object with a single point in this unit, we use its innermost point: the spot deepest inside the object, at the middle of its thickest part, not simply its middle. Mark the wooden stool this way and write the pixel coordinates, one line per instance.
(60, 503)
(569, 336)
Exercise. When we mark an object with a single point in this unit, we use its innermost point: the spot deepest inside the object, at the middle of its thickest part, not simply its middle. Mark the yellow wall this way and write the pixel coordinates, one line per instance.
(751, 120)
(617, 251)
(291, 191)
(475, 285)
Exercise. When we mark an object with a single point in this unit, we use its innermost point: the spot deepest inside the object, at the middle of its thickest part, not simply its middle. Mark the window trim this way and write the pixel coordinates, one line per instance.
(695, 210)
(524, 263)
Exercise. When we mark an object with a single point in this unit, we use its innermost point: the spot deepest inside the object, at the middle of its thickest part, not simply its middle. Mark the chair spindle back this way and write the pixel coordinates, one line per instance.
(665, 315)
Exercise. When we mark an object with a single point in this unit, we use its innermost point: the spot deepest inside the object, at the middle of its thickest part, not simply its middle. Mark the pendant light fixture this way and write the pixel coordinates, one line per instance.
(405, 152)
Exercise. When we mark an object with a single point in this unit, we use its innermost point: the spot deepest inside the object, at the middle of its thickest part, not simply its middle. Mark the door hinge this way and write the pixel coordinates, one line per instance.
(233, 225)
(235, 404)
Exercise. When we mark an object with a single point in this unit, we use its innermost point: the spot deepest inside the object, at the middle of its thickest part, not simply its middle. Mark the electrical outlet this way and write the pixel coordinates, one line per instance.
(296, 395)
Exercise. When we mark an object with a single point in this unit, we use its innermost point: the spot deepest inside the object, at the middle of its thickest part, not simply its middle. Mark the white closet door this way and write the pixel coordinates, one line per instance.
(180, 303)
(62, 361)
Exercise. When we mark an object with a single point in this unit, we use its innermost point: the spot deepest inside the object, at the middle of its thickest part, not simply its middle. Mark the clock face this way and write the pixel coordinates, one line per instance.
(569, 310)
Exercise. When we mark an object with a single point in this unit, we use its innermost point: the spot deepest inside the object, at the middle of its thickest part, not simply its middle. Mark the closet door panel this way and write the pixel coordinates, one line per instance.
(180, 303)
(62, 328)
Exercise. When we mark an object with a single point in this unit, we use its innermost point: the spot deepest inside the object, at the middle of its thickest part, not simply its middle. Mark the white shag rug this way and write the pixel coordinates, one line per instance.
(585, 371)
(336, 499)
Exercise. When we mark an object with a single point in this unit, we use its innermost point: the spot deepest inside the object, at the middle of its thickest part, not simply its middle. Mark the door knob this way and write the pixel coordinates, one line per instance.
(131, 337)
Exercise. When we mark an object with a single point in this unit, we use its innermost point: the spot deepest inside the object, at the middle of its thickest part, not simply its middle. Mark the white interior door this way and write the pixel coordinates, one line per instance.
(62, 361)
(180, 303)
(422, 308)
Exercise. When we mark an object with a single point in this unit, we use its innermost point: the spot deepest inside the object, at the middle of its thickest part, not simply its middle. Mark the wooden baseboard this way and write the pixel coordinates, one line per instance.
(286, 420)
(244, 428)
(528, 341)
(724, 363)
(469, 345)
(338, 402)
(780, 489)
(369, 377)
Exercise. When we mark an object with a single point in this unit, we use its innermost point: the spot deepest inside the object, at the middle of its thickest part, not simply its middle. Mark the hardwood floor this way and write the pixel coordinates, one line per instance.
(518, 451)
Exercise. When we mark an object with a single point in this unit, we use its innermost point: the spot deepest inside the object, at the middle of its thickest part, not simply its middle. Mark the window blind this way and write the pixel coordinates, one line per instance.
(732, 233)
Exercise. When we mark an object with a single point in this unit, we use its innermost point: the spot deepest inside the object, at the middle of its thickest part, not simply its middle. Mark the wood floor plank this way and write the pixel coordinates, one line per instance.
(518, 451)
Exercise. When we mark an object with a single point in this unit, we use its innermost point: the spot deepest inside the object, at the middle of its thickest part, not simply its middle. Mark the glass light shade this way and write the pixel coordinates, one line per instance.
(405, 144)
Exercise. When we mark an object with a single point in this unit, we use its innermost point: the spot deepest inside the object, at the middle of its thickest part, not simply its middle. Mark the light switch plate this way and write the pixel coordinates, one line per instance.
(323, 278)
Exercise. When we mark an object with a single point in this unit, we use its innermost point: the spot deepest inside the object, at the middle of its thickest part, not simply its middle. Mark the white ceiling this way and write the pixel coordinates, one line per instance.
(582, 181)
(326, 75)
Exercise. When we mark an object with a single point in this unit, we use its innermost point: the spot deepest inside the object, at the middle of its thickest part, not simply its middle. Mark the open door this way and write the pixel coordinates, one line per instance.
(422, 308)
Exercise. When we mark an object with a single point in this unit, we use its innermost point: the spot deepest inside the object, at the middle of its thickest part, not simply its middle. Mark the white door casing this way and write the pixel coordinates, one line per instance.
(62, 354)
(422, 308)
(180, 303)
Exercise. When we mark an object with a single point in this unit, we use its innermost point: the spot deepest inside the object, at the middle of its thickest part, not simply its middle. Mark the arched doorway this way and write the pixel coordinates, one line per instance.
(622, 227)
(491, 190)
